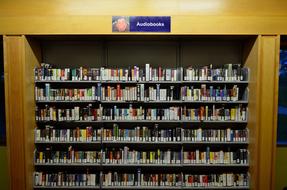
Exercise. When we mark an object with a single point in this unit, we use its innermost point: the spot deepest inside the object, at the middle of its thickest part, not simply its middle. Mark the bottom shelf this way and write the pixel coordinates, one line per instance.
(136, 187)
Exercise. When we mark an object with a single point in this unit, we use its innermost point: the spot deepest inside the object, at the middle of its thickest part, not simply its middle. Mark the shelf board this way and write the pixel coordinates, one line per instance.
(136, 187)
(143, 121)
(66, 187)
(68, 164)
(200, 188)
(214, 82)
(216, 121)
(141, 142)
(213, 143)
(140, 187)
(71, 142)
(216, 102)
(66, 101)
(139, 102)
(67, 81)
(141, 165)
(146, 143)
(137, 165)
(141, 82)
(215, 165)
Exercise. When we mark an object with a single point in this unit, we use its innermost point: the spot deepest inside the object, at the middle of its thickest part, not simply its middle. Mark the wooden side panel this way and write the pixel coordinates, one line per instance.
(13, 66)
(268, 110)
(31, 60)
(251, 60)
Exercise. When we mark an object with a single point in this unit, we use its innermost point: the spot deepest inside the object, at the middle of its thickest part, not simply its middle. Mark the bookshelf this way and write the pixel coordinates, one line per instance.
(178, 142)
(171, 50)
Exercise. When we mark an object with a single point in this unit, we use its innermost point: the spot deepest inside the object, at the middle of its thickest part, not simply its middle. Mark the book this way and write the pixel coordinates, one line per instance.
(63, 179)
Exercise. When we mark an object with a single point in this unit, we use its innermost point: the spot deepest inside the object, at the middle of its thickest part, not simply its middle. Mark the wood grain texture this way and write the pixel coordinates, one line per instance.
(268, 114)
(143, 7)
(275, 110)
(188, 16)
(186, 24)
(251, 60)
(31, 60)
(13, 66)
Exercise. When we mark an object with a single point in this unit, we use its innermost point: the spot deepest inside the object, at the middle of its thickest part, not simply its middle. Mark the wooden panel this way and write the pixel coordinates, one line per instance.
(188, 16)
(268, 110)
(13, 66)
(31, 60)
(275, 110)
(251, 60)
(142, 7)
(187, 24)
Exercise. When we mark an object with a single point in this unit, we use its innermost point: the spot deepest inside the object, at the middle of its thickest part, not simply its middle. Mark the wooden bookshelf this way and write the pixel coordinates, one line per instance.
(113, 51)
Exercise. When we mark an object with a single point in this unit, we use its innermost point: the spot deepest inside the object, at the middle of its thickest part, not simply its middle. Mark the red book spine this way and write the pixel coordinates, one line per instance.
(118, 92)
(159, 73)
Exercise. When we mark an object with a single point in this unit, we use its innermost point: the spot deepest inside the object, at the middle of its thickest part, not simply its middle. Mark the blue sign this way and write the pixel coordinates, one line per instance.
(141, 24)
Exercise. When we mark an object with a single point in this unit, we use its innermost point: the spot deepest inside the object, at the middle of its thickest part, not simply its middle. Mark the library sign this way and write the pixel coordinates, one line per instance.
(141, 23)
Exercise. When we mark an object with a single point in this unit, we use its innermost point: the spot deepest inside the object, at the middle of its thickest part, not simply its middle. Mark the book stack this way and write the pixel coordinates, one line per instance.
(76, 113)
(229, 72)
(215, 135)
(66, 94)
(215, 113)
(216, 180)
(63, 179)
(47, 73)
(137, 93)
(191, 93)
(50, 156)
(142, 179)
(142, 134)
(130, 156)
(239, 156)
(140, 113)
(52, 134)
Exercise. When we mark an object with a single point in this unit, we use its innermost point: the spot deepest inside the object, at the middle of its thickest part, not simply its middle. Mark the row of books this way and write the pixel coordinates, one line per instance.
(52, 134)
(138, 93)
(202, 113)
(133, 73)
(139, 134)
(190, 93)
(239, 156)
(229, 72)
(214, 113)
(70, 156)
(130, 156)
(63, 179)
(127, 155)
(215, 135)
(217, 180)
(65, 94)
(110, 179)
(141, 179)
(142, 134)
